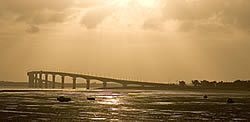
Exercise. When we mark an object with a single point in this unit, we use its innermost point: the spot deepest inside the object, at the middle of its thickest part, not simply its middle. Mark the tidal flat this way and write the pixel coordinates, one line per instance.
(123, 105)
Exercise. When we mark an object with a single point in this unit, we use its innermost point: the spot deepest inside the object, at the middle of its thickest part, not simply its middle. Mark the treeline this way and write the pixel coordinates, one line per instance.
(12, 84)
(241, 84)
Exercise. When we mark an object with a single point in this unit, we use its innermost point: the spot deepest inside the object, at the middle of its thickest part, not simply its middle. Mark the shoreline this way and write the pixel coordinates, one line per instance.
(130, 88)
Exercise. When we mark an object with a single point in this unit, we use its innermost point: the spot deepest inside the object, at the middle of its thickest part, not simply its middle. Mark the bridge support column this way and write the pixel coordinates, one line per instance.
(36, 80)
(46, 80)
(40, 80)
(53, 81)
(62, 85)
(31, 80)
(104, 84)
(88, 84)
(74, 82)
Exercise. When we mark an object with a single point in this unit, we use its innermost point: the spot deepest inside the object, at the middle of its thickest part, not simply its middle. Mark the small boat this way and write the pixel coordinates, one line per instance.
(90, 98)
(63, 99)
(230, 100)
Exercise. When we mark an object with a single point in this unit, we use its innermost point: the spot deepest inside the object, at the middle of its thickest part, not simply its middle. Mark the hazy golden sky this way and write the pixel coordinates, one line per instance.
(161, 40)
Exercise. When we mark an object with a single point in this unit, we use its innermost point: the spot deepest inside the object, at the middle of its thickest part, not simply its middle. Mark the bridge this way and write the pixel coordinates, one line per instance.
(38, 79)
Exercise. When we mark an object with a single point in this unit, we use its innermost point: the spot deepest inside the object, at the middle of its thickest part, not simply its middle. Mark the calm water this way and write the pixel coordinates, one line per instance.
(123, 105)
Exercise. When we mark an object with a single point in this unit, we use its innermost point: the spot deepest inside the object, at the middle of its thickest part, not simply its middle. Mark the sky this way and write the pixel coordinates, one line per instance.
(150, 40)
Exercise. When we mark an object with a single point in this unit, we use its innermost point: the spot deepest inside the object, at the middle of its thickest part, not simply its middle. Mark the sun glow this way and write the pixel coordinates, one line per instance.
(129, 14)
(141, 3)
(148, 3)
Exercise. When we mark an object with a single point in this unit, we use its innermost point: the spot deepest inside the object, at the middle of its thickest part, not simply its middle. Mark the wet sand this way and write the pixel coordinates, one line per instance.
(123, 105)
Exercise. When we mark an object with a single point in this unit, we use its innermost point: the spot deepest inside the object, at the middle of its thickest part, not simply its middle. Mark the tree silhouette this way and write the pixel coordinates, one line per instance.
(195, 83)
(182, 83)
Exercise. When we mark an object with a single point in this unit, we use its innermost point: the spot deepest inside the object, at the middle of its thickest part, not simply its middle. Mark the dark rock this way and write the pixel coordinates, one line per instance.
(90, 98)
(63, 99)
(230, 100)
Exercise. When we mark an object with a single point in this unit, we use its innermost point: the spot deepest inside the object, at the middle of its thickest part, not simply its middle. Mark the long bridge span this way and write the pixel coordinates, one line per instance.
(36, 80)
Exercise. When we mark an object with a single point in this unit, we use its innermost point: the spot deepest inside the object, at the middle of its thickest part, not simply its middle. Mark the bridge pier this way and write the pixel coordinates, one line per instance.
(104, 85)
(36, 80)
(88, 84)
(62, 85)
(74, 82)
(40, 80)
(53, 81)
(31, 80)
(46, 80)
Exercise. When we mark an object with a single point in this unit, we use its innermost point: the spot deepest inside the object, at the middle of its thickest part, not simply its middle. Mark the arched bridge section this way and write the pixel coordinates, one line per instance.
(36, 80)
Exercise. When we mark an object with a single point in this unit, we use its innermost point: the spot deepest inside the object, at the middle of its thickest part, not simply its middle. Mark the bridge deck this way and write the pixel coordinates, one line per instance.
(103, 79)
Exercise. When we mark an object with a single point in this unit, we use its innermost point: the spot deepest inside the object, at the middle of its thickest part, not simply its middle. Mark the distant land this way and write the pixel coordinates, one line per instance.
(12, 84)
(24, 84)
(240, 85)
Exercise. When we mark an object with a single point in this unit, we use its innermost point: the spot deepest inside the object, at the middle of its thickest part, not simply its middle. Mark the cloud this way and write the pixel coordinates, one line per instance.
(236, 13)
(34, 13)
(191, 9)
(208, 14)
(30, 7)
(153, 23)
(33, 29)
(94, 17)
(40, 12)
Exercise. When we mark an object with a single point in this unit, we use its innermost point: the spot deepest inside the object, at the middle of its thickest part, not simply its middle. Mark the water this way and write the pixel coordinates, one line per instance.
(123, 105)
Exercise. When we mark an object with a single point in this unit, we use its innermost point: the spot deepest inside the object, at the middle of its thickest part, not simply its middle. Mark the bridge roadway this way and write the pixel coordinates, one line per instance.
(36, 80)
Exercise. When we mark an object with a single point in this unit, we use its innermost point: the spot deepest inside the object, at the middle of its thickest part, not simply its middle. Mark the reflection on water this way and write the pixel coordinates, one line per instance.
(109, 100)
(123, 105)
